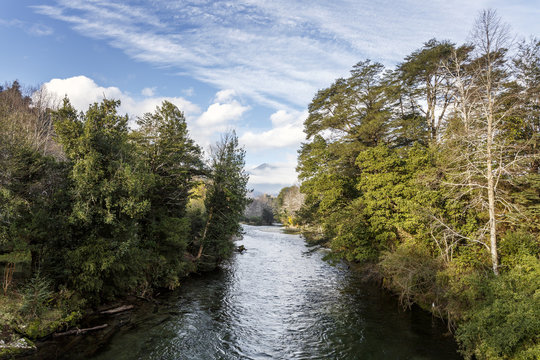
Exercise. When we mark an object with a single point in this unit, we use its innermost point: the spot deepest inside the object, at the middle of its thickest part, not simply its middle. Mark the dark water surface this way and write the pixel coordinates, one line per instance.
(278, 300)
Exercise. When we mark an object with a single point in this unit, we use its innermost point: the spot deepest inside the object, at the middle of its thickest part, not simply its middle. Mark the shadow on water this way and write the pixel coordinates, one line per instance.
(278, 300)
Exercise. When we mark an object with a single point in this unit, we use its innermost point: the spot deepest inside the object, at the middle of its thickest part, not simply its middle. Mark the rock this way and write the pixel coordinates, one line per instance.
(16, 347)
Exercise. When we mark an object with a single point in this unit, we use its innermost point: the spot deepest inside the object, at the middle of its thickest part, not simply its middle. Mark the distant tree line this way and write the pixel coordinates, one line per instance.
(267, 209)
(430, 171)
(97, 210)
(261, 210)
(288, 202)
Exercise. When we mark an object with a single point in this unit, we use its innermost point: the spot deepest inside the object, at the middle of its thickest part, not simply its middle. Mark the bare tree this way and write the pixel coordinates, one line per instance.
(27, 119)
(484, 156)
(40, 124)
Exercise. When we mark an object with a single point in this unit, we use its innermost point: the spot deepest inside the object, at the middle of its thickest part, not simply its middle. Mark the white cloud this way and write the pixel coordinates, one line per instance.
(83, 91)
(220, 115)
(225, 95)
(283, 117)
(148, 91)
(225, 111)
(34, 29)
(287, 132)
(279, 173)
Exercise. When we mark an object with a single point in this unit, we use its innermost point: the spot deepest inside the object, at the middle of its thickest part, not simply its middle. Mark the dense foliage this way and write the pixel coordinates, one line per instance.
(261, 210)
(91, 210)
(431, 171)
(288, 202)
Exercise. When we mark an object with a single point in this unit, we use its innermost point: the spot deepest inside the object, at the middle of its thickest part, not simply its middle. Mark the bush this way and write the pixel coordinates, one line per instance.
(37, 293)
(506, 325)
(411, 271)
(515, 245)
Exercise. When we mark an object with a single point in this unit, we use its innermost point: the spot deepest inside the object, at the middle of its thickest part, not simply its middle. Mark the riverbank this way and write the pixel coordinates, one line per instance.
(27, 338)
(279, 299)
(477, 307)
(22, 331)
(62, 323)
(95, 327)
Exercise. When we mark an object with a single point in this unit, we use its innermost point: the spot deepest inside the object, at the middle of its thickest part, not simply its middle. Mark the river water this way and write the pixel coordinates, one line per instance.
(277, 300)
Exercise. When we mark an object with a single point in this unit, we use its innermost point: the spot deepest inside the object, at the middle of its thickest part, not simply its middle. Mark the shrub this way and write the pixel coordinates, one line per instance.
(411, 271)
(506, 325)
(36, 295)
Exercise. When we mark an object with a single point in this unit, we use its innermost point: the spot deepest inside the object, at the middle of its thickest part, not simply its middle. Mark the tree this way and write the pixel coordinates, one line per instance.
(482, 153)
(108, 197)
(526, 129)
(171, 155)
(354, 110)
(348, 117)
(31, 180)
(225, 201)
(174, 162)
(426, 88)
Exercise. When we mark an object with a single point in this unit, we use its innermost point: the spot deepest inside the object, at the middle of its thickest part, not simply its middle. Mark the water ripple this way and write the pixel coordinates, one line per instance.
(281, 300)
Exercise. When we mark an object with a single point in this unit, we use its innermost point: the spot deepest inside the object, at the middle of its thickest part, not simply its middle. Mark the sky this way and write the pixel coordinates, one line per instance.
(252, 66)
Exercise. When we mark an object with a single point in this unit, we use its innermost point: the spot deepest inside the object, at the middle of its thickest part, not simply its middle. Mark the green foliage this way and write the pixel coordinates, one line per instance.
(343, 120)
(350, 234)
(108, 198)
(167, 242)
(37, 294)
(128, 198)
(515, 245)
(401, 168)
(506, 323)
(226, 199)
(171, 156)
(267, 216)
(411, 271)
(173, 161)
(98, 211)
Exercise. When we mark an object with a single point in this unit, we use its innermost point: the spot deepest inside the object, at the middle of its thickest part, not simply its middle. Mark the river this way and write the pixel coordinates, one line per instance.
(278, 300)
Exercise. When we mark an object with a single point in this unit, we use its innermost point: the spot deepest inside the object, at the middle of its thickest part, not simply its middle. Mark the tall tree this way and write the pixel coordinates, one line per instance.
(346, 118)
(482, 154)
(108, 198)
(426, 88)
(171, 155)
(225, 201)
(174, 161)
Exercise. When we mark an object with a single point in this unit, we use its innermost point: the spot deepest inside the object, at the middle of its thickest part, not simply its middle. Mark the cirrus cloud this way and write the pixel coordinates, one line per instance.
(276, 52)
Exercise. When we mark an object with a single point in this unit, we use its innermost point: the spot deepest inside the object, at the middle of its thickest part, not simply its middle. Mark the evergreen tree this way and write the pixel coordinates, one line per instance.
(225, 201)
(108, 198)
(174, 162)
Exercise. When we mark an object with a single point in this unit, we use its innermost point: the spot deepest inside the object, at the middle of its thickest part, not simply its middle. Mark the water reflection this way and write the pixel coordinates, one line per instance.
(280, 300)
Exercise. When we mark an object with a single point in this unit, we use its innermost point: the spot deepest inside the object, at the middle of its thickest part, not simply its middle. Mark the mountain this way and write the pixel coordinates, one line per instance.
(265, 166)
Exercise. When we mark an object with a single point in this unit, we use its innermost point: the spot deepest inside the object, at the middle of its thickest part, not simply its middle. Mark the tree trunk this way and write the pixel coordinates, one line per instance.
(204, 236)
(492, 219)
(34, 261)
(491, 188)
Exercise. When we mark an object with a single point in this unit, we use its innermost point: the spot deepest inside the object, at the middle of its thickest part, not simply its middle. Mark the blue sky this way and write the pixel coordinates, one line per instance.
(250, 65)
